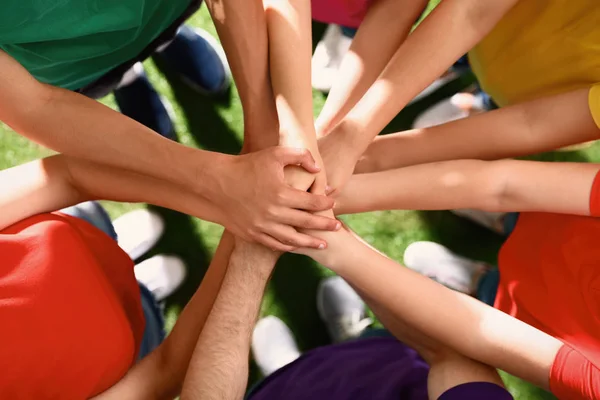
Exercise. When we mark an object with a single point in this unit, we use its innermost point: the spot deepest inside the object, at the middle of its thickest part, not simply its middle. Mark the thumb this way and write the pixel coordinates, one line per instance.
(319, 186)
(295, 156)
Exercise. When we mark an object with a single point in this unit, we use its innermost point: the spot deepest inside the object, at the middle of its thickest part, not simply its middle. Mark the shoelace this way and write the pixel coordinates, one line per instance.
(350, 326)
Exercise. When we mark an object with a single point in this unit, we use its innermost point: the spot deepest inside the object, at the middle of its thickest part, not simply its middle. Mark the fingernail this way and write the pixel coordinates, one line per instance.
(321, 246)
(328, 188)
(338, 226)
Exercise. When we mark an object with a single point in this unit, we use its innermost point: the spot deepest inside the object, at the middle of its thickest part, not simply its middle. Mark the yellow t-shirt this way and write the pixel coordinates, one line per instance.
(594, 101)
(541, 48)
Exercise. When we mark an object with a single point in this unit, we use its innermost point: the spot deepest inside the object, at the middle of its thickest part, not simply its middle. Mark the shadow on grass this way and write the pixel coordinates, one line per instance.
(294, 288)
(205, 124)
(462, 236)
(182, 239)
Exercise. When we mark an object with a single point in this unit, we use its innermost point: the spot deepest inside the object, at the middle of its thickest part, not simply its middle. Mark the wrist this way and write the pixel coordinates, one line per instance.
(205, 177)
(256, 257)
(298, 136)
(350, 134)
(340, 251)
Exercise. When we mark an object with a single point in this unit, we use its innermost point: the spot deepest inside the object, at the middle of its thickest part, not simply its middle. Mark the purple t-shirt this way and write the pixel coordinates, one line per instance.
(378, 368)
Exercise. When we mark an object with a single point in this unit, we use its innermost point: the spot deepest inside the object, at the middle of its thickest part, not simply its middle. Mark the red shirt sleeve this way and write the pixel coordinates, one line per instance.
(574, 377)
(595, 197)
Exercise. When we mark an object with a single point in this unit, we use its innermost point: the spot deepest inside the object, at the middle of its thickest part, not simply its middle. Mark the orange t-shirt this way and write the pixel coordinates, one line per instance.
(70, 308)
(550, 279)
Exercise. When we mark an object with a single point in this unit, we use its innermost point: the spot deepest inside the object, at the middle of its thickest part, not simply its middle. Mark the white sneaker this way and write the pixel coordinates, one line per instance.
(328, 57)
(273, 345)
(440, 264)
(341, 309)
(138, 231)
(461, 105)
(161, 274)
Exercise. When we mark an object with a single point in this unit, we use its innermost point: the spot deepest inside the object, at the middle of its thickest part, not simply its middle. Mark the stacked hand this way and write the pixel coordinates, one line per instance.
(258, 205)
(339, 156)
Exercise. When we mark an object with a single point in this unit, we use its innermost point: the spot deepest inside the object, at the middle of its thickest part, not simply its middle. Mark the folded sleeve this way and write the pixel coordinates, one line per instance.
(574, 377)
(595, 197)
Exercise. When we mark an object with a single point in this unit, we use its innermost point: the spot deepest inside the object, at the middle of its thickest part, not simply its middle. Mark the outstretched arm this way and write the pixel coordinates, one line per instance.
(242, 28)
(289, 28)
(160, 375)
(454, 320)
(528, 128)
(219, 366)
(451, 30)
(83, 128)
(384, 28)
(506, 185)
(77, 126)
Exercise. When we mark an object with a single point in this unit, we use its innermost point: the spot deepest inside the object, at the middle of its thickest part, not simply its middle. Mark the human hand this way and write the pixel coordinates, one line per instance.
(338, 243)
(257, 204)
(339, 157)
(297, 177)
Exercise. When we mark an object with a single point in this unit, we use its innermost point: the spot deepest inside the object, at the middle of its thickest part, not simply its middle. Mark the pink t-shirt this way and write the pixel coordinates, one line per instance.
(348, 13)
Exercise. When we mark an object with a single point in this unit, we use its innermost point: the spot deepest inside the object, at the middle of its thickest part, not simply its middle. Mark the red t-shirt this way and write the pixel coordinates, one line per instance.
(70, 309)
(550, 279)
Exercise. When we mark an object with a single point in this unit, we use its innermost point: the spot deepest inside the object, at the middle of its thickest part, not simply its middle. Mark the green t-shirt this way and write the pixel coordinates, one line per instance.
(71, 43)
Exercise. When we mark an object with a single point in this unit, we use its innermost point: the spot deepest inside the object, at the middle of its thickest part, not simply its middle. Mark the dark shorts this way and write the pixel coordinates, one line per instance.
(107, 83)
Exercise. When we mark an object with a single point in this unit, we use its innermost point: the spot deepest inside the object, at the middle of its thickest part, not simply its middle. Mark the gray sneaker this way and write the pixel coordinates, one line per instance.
(273, 345)
(342, 309)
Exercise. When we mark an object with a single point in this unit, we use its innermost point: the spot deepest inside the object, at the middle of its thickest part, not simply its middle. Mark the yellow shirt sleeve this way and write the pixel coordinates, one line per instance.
(594, 101)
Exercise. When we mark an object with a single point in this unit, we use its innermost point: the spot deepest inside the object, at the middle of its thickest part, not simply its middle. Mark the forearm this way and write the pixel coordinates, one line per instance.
(160, 375)
(449, 317)
(289, 27)
(385, 27)
(452, 29)
(433, 186)
(77, 126)
(507, 185)
(219, 367)
(528, 128)
(242, 28)
(99, 182)
(59, 181)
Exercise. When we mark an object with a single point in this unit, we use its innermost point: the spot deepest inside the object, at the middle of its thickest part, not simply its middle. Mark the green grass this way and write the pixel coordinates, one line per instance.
(216, 124)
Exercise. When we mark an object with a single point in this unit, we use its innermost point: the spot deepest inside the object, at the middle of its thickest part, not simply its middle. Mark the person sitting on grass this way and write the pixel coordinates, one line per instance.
(364, 363)
(78, 315)
(549, 266)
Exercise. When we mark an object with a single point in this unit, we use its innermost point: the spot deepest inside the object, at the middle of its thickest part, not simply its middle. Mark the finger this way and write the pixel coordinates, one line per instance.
(319, 186)
(306, 220)
(273, 244)
(292, 237)
(294, 156)
(301, 200)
